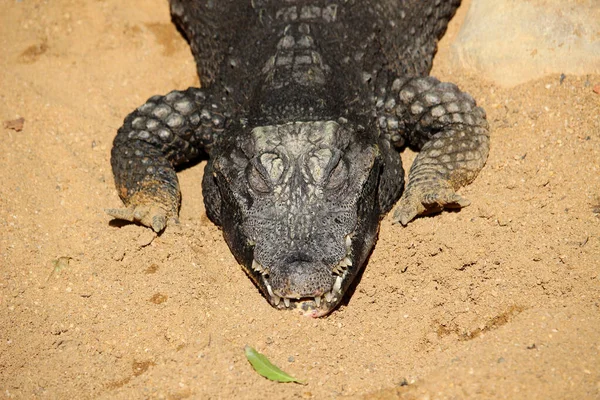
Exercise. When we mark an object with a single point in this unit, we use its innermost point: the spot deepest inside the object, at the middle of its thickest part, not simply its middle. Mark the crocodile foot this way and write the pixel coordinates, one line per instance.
(427, 199)
(152, 216)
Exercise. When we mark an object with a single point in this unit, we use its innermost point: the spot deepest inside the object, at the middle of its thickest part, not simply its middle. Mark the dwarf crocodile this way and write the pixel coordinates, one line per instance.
(303, 109)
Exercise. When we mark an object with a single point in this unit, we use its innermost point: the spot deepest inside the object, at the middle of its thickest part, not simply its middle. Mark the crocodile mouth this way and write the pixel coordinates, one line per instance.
(317, 306)
(312, 306)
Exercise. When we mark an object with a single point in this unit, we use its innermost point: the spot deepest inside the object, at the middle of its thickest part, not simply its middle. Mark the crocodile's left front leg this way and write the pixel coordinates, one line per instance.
(162, 134)
(450, 132)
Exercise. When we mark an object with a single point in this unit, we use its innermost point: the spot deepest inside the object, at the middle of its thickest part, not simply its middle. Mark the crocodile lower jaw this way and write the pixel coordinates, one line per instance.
(312, 306)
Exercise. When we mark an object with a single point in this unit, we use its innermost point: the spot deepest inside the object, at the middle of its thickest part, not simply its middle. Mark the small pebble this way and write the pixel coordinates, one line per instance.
(118, 255)
(15, 124)
(146, 238)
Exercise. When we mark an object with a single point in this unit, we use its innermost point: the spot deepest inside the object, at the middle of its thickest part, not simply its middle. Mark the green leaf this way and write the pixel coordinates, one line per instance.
(263, 366)
(58, 265)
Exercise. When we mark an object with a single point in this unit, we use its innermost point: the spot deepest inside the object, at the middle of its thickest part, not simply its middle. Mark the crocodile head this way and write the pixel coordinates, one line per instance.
(299, 209)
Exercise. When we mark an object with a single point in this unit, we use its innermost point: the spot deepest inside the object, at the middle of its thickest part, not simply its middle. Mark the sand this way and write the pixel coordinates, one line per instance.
(499, 300)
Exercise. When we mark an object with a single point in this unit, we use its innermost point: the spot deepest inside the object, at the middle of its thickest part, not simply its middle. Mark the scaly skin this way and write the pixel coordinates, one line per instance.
(304, 107)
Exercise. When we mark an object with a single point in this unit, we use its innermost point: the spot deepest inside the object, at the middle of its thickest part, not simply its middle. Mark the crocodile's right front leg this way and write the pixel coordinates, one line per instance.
(451, 134)
(160, 135)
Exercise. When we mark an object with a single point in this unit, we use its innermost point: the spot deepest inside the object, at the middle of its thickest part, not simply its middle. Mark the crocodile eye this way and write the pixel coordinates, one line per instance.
(338, 175)
(256, 179)
(264, 171)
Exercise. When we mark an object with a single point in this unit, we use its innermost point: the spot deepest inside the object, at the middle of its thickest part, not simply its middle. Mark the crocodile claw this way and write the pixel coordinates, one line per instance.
(151, 216)
(415, 204)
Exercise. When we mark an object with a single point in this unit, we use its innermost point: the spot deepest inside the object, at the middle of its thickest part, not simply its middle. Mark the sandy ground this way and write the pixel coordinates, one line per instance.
(499, 300)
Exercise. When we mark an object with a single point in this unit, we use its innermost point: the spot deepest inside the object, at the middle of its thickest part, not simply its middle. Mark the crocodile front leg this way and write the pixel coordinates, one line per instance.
(165, 132)
(450, 132)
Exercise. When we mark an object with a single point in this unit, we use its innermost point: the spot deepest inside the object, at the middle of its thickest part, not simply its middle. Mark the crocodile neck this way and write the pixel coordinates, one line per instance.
(296, 80)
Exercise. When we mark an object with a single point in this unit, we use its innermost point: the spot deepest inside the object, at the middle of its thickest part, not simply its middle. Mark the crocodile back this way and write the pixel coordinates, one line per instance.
(354, 41)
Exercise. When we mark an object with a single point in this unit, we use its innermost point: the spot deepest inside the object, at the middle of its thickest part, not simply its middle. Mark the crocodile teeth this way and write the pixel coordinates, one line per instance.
(258, 267)
(329, 297)
(337, 286)
(276, 299)
(318, 301)
(342, 265)
(286, 301)
(348, 243)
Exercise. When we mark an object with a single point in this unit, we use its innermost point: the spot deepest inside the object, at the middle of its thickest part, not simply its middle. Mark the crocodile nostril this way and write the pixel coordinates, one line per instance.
(300, 279)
